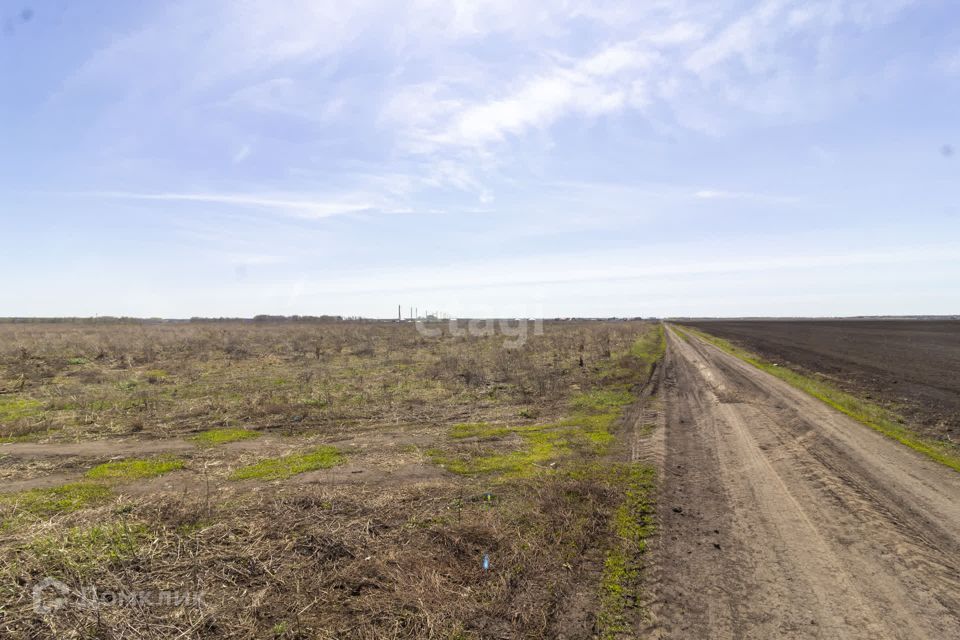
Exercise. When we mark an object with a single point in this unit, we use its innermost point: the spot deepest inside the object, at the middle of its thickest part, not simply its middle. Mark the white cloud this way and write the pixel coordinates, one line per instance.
(242, 153)
(707, 69)
(662, 264)
(950, 63)
(300, 207)
(443, 87)
(718, 194)
(598, 84)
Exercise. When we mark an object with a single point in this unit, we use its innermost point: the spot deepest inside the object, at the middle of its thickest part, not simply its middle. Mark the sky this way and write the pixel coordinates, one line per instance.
(480, 158)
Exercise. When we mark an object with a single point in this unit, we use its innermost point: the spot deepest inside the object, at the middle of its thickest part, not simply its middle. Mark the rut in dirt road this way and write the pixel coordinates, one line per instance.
(782, 518)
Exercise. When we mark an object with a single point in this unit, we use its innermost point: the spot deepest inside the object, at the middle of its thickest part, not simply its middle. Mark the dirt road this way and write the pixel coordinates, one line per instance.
(781, 518)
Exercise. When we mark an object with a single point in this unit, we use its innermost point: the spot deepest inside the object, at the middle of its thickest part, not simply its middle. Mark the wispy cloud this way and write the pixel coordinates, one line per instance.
(602, 83)
(718, 194)
(300, 207)
(610, 266)
(250, 129)
(242, 153)
(950, 63)
(457, 83)
(692, 66)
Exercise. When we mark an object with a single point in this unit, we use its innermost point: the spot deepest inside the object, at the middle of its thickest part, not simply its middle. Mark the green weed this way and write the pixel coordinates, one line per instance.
(540, 447)
(13, 408)
(62, 499)
(621, 582)
(286, 466)
(649, 347)
(134, 469)
(223, 436)
(601, 401)
(479, 430)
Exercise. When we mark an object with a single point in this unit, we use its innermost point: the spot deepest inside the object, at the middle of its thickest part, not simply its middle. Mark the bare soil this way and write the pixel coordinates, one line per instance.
(910, 366)
(781, 518)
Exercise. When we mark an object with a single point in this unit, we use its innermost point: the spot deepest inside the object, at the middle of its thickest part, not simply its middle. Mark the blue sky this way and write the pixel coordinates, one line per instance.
(482, 158)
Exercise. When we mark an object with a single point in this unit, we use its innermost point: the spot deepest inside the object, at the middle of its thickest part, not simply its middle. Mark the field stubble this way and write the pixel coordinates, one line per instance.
(328, 480)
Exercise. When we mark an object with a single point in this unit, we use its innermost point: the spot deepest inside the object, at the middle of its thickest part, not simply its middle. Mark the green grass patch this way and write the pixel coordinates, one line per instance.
(868, 413)
(626, 370)
(594, 415)
(286, 466)
(589, 428)
(25, 437)
(633, 523)
(53, 500)
(479, 430)
(156, 376)
(601, 401)
(649, 347)
(538, 449)
(223, 436)
(83, 550)
(134, 469)
(13, 408)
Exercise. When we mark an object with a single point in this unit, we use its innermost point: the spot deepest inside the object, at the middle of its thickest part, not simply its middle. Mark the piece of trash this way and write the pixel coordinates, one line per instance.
(486, 562)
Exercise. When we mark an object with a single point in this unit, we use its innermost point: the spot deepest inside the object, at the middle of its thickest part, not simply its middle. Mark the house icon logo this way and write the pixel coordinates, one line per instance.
(49, 595)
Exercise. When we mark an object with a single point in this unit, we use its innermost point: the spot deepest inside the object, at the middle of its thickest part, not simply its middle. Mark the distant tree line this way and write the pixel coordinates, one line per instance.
(263, 318)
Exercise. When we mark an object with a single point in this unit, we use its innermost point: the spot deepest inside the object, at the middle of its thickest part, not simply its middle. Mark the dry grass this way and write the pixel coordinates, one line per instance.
(369, 550)
(170, 379)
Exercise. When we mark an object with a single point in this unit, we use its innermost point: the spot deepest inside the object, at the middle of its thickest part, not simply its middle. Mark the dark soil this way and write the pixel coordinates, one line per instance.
(910, 366)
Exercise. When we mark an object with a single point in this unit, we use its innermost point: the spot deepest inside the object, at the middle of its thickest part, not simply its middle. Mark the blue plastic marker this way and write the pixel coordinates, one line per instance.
(486, 562)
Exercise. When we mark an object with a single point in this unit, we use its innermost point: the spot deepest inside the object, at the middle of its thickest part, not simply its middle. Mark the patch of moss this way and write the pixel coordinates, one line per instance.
(621, 581)
(134, 469)
(13, 408)
(286, 466)
(223, 436)
(479, 430)
(53, 500)
(540, 447)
